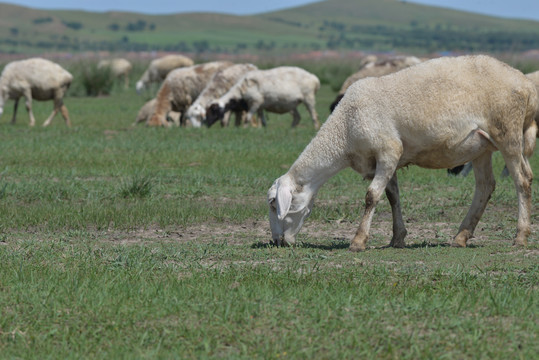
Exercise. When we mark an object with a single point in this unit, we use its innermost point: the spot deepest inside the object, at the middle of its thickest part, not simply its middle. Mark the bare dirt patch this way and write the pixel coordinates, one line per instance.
(258, 231)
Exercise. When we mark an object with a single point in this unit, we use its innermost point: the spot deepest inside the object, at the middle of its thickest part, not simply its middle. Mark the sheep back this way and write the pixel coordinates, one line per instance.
(159, 68)
(118, 66)
(186, 84)
(223, 80)
(431, 108)
(279, 85)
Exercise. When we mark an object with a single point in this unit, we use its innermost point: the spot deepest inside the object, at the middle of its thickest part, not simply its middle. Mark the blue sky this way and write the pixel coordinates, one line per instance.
(524, 9)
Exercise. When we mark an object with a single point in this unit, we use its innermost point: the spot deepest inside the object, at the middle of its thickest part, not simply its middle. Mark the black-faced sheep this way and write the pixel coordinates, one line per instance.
(159, 68)
(424, 115)
(279, 90)
(182, 87)
(35, 79)
(118, 67)
(218, 85)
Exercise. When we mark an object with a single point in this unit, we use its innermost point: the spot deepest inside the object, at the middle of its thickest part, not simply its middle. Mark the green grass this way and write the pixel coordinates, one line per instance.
(130, 242)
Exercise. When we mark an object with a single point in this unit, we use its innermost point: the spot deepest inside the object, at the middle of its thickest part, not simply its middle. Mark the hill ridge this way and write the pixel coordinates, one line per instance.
(368, 25)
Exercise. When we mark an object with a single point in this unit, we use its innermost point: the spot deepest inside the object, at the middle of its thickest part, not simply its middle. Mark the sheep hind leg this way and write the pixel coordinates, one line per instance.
(522, 175)
(484, 186)
(28, 103)
(262, 117)
(383, 175)
(399, 229)
(309, 104)
(296, 117)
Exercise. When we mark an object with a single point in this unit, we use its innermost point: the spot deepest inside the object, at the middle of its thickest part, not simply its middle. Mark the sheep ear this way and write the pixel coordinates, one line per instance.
(272, 194)
(284, 200)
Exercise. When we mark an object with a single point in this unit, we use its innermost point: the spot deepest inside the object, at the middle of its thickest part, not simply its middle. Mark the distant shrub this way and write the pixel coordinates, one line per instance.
(75, 25)
(88, 80)
(42, 20)
(139, 25)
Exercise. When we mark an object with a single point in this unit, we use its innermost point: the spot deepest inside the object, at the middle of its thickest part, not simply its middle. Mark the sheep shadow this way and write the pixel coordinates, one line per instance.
(342, 243)
(336, 244)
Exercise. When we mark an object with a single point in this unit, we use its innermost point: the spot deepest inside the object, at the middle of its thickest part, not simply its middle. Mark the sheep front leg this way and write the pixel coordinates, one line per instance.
(399, 229)
(14, 117)
(226, 119)
(262, 117)
(65, 115)
(484, 186)
(384, 173)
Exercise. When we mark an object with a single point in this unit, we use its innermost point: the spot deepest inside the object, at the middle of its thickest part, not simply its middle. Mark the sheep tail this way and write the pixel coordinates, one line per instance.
(530, 126)
(530, 135)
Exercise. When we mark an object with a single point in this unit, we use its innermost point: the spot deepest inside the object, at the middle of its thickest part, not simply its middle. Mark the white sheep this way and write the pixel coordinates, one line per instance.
(437, 114)
(118, 67)
(181, 88)
(279, 90)
(375, 68)
(37, 79)
(218, 85)
(159, 68)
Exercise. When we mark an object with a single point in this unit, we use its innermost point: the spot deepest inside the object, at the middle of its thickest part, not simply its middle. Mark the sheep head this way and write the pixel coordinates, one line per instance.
(196, 114)
(214, 112)
(139, 86)
(335, 102)
(289, 205)
(2, 100)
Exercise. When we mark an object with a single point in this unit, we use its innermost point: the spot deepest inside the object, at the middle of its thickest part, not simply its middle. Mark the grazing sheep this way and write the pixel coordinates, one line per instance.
(182, 87)
(218, 85)
(118, 67)
(424, 115)
(375, 68)
(277, 90)
(159, 69)
(37, 79)
(147, 110)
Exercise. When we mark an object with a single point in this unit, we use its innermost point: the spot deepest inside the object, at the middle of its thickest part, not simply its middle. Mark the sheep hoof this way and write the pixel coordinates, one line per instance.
(397, 244)
(461, 239)
(357, 248)
(520, 243)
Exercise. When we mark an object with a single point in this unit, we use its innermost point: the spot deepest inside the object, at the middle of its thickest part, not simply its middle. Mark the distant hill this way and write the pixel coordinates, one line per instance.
(368, 25)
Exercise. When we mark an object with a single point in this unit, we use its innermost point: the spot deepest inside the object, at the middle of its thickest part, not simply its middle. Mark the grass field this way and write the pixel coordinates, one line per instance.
(130, 242)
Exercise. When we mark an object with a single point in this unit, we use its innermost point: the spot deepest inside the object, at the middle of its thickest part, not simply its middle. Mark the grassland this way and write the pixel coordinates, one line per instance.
(129, 242)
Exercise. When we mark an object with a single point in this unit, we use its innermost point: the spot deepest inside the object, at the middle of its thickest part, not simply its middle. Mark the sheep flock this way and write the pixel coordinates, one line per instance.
(391, 113)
